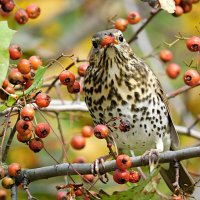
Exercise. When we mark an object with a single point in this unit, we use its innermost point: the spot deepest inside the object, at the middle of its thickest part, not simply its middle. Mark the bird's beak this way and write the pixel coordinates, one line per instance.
(108, 40)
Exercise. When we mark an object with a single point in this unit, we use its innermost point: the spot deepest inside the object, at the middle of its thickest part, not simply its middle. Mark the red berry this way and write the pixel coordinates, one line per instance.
(78, 142)
(75, 88)
(42, 130)
(35, 61)
(134, 176)
(14, 169)
(191, 77)
(186, 5)
(101, 131)
(78, 192)
(195, 1)
(61, 195)
(10, 89)
(15, 77)
(42, 100)
(21, 16)
(107, 40)
(177, 197)
(89, 177)
(121, 176)
(123, 162)
(86, 197)
(193, 43)
(177, 2)
(67, 78)
(28, 84)
(124, 125)
(2, 172)
(121, 24)
(15, 52)
(24, 138)
(5, 83)
(178, 11)
(8, 7)
(133, 17)
(87, 131)
(27, 113)
(82, 69)
(3, 194)
(2, 2)
(33, 11)
(24, 127)
(7, 182)
(24, 66)
(79, 159)
(173, 70)
(36, 144)
(166, 55)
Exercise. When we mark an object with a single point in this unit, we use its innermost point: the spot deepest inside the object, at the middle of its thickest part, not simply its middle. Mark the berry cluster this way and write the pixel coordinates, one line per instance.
(132, 18)
(183, 6)
(122, 175)
(22, 16)
(21, 74)
(191, 77)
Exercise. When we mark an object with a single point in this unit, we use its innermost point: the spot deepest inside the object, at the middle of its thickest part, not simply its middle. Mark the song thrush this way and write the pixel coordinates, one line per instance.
(120, 85)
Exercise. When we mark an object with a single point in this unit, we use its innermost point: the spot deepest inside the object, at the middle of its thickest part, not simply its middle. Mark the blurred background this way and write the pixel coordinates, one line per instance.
(66, 26)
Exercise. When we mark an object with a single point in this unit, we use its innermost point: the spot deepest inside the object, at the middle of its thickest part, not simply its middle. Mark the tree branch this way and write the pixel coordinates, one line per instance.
(85, 168)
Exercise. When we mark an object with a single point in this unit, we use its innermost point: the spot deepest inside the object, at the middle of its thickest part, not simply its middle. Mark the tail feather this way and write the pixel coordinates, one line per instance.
(185, 180)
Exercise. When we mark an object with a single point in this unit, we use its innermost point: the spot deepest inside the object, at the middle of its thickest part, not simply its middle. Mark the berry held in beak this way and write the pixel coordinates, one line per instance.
(107, 40)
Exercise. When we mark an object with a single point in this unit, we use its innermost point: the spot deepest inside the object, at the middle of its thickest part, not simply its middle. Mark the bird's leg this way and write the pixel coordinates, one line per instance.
(176, 183)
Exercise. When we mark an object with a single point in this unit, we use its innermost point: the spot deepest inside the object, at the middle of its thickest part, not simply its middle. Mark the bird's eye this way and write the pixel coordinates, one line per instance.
(121, 39)
(95, 44)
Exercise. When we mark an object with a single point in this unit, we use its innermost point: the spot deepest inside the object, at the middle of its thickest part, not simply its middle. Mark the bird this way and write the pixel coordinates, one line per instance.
(119, 85)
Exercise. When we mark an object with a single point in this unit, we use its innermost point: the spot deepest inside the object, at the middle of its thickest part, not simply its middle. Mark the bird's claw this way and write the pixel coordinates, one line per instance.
(96, 170)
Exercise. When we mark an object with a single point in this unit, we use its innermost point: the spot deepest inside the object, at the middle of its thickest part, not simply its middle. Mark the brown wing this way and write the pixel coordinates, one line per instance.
(173, 133)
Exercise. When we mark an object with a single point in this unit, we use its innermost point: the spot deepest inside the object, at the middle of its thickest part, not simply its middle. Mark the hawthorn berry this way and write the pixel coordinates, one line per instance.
(78, 192)
(121, 24)
(42, 130)
(2, 172)
(177, 197)
(166, 55)
(133, 17)
(15, 77)
(134, 176)
(177, 2)
(79, 159)
(121, 176)
(24, 127)
(87, 131)
(178, 11)
(7, 182)
(24, 66)
(88, 177)
(27, 113)
(5, 83)
(35, 61)
(36, 144)
(191, 77)
(24, 138)
(3, 194)
(9, 89)
(193, 43)
(28, 84)
(82, 69)
(123, 162)
(33, 11)
(2, 2)
(21, 16)
(61, 195)
(8, 7)
(186, 7)
(107, 40)
(42, 100)
(67, 78)
(173, 70)
(101, 131)
(75, 88)
(14, 169)
(15, 52)
(78, 142)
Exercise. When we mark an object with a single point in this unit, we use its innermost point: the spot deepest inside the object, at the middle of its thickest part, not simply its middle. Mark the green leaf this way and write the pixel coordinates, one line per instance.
(6, 35)
(132, 193)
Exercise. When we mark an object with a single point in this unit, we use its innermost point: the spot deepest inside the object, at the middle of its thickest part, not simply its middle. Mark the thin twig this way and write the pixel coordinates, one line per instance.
(153, 14)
